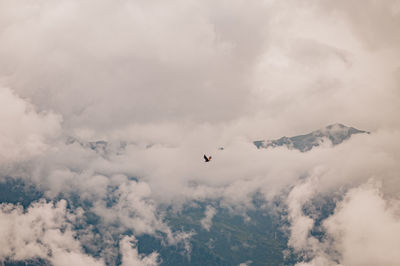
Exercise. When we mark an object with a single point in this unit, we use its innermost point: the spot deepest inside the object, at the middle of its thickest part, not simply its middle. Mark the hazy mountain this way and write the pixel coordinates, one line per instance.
(253, 237)
(336, 134)
(101, 147)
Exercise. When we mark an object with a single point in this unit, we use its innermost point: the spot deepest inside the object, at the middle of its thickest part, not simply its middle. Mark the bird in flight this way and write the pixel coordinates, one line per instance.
(207, 159)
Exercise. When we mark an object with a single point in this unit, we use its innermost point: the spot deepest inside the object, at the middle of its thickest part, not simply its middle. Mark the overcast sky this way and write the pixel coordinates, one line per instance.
(177, 79)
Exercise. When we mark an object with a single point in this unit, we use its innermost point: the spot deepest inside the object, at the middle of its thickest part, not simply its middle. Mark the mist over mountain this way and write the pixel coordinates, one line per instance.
(108, 107)
(333, 134)
(213, 233)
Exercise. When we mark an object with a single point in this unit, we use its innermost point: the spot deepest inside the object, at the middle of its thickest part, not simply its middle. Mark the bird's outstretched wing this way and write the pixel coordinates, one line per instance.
(205, 158)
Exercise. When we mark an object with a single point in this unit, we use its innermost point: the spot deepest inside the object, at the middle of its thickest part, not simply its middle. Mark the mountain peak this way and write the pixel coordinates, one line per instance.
(335, 133)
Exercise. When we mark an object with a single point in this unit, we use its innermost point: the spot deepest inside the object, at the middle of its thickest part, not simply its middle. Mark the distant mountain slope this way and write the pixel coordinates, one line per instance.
(336, 133)
(101, 147)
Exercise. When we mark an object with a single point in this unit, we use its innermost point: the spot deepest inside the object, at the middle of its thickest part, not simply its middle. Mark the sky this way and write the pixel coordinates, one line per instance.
(172, 80)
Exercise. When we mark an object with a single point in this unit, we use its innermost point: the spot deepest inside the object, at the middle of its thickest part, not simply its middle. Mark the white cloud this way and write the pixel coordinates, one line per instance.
(42, 231)
(206, 222)
(134, 209)
(366, 227)
(131, 257)
(363, 230)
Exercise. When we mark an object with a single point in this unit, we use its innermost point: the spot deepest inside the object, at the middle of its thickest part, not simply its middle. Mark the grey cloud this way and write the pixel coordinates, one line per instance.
(376, 24)
(24, 132)
(155, 62)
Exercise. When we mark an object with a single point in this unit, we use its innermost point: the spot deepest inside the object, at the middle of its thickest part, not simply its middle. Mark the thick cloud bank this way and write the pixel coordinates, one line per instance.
(108, 107)
(24, 131)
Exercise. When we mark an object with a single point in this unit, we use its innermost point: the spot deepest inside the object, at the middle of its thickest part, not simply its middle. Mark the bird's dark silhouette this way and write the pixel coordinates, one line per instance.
(207, 159)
